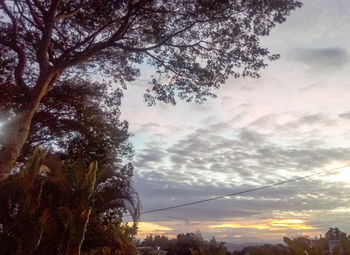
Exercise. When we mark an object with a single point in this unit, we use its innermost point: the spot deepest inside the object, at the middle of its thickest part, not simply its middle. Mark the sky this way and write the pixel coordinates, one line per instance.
(292, 122)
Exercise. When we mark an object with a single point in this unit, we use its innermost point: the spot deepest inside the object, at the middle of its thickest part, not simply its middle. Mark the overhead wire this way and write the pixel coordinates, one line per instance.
(244, 191)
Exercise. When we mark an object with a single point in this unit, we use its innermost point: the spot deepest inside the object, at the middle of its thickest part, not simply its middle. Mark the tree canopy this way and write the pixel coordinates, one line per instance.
(78, 126)
(194, 46)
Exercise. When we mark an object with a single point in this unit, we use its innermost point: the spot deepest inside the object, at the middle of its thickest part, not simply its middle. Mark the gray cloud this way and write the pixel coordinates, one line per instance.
(203, 164)
(345, 115)
(315, 120)
(309, 195)
(321, 59)
(149, 156)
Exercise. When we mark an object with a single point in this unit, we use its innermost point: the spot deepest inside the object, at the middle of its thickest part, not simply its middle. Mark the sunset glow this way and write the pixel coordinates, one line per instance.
(269, 224)
(148, 227)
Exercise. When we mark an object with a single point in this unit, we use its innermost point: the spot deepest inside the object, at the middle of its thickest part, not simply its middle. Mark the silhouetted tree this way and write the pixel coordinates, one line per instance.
(82, 123)
(335, 234)
(194, 46)
(343, 238)
(59, 207)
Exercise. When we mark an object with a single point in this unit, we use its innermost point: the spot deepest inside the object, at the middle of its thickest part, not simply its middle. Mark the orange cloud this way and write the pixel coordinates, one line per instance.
(271, 224)
(238, 225)
(148, 227)
(289, 224)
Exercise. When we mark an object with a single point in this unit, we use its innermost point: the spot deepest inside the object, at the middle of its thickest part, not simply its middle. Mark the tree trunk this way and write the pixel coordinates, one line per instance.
(29, 241)
(76, 236)
(18, 129)
(77, 229)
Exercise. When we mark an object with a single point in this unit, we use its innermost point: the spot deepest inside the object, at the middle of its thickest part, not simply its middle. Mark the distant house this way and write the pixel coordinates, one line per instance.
(151, 251)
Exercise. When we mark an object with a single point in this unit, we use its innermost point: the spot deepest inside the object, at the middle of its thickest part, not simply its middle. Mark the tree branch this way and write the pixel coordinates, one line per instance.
(153, 47)
(34, 15)
(22, 59)
(44, 44)
(72, 13)
(11, 16)
(163, 64)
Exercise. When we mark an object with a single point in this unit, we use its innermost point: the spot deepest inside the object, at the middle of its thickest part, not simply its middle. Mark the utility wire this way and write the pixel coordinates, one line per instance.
(245, 191)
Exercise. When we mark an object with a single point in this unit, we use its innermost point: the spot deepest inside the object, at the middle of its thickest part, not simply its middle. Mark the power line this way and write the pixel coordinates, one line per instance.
(243, 192)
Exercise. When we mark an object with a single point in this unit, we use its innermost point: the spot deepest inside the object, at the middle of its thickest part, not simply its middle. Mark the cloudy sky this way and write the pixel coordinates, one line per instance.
(294, 121)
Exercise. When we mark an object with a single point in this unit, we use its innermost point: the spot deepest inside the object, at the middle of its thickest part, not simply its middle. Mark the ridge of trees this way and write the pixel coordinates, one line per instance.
(184, 244)
(194, 244)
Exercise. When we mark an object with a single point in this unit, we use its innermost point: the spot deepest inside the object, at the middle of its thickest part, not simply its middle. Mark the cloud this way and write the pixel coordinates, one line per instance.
(345, 115)
(204, 164)
(321, 59)
(271, 224)
(227, 155)
(147, 228)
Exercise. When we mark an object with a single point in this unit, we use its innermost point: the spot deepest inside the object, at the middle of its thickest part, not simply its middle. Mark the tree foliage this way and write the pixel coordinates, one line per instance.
(78, 115)
(265, 249)
(78, 125)
(303, 245)
(198, 42)
(61, 208)
(336, 234)
(194, 46)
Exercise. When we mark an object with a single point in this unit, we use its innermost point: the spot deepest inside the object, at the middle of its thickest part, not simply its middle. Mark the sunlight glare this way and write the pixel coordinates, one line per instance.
(341, 175)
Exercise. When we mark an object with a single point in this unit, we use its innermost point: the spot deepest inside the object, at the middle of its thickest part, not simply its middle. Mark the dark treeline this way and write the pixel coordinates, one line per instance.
(194, 244)
(185, 244)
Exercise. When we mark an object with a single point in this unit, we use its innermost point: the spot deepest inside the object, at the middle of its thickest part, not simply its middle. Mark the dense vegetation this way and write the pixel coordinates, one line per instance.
(72, 196)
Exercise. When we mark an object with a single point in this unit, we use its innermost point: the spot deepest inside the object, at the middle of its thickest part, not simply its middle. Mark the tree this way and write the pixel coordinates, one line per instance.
(302, 245)
(60, 208)
(77, 133)
(335, 234)
(81, 120)
(194, 46)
